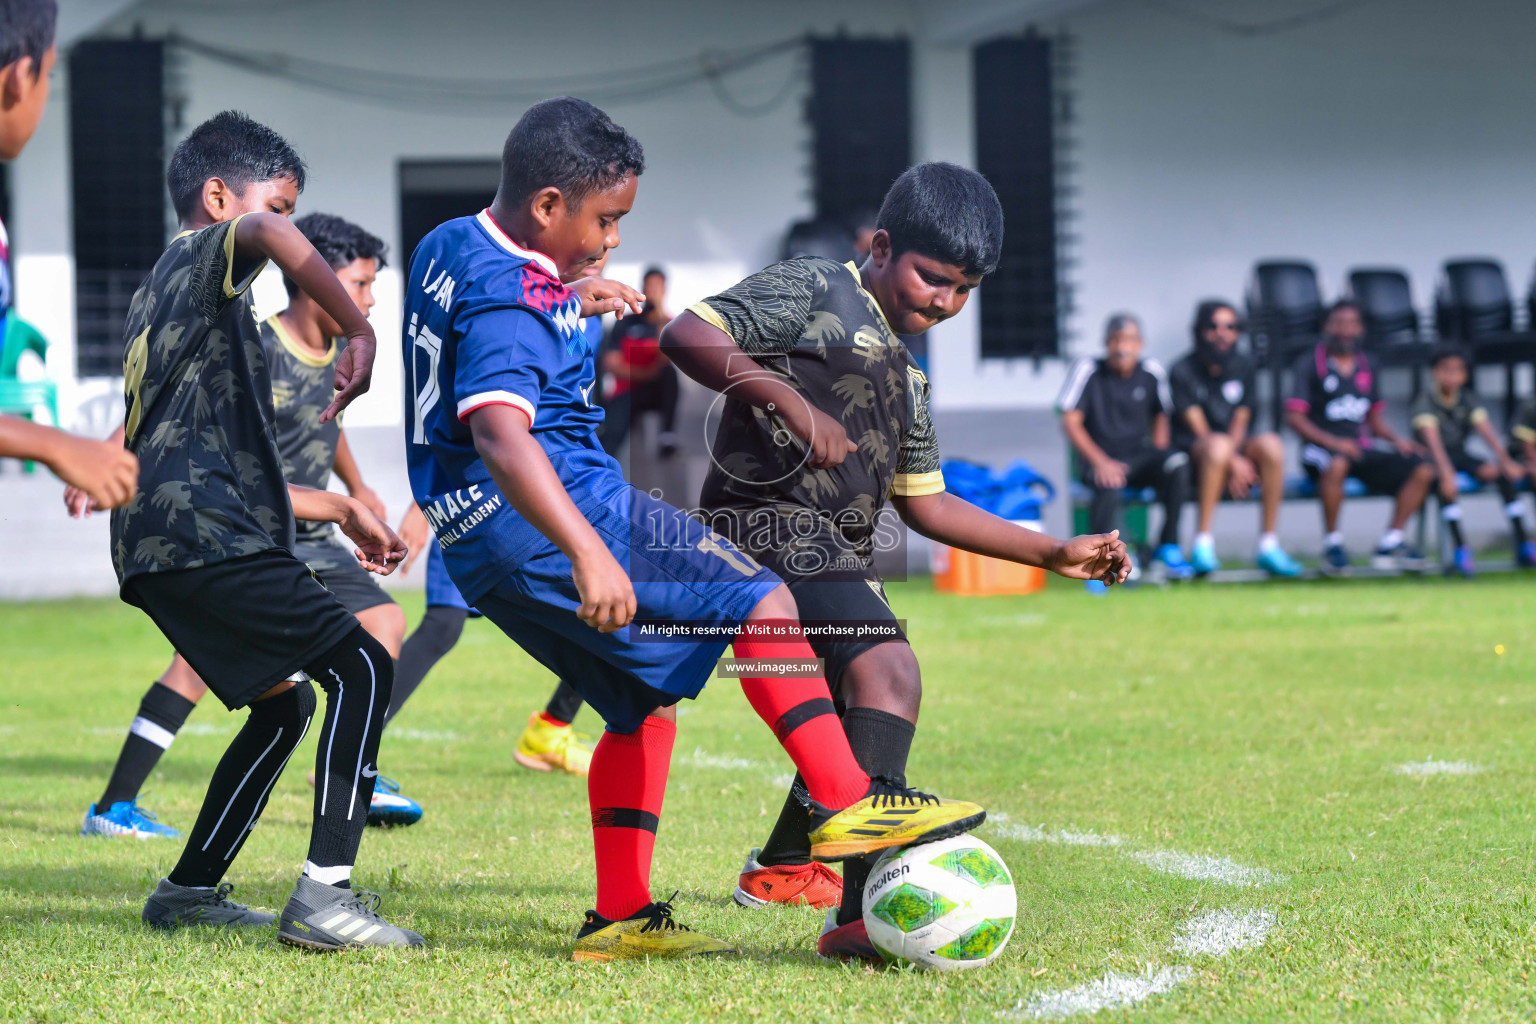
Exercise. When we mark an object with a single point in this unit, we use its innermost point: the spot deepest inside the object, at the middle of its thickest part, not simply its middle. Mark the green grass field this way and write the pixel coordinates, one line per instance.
(1249, 736)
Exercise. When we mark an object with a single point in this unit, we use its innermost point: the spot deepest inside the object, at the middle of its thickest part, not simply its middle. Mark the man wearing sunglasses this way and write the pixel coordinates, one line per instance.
(1213, 402)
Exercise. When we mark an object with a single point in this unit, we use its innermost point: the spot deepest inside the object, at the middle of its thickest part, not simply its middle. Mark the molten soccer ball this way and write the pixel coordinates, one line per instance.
(942, 906)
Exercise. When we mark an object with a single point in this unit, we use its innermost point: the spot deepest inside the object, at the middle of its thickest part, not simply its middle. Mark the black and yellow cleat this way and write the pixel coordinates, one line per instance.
(648, 932)
(889, 815)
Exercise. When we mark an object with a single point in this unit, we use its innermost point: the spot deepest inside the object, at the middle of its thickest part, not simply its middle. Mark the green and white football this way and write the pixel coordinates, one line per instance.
(942, 906)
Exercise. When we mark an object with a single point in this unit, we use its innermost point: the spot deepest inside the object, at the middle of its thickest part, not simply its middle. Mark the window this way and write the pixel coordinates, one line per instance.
(860, 113)
(117, 158)
(1016, 148)
(434, 191)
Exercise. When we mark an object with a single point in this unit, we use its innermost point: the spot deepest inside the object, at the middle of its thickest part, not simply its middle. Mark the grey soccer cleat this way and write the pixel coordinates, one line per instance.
(171, 906)
(320, 916)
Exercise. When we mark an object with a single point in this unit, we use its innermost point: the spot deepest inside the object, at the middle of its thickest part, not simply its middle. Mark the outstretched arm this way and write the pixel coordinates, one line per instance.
(711, 357)
(523, 472)
(378, 549)
(103, 470)
(954, 521)
(260, 236)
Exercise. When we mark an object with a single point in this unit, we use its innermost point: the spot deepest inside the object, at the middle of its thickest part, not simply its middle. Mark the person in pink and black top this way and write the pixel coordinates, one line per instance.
(1336, 409)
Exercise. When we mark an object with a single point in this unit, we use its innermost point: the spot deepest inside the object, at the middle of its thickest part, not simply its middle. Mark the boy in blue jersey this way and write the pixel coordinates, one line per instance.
(616, 591)
(549, 741)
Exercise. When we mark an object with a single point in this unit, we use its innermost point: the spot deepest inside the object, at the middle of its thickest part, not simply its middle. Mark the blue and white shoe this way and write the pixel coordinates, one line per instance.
(1335, 561)
(125, 819)
(1462, 564)
(388, 807)
(1277, 563)
(1525, 555)
(1096, 587)
(1203, 558)
(1173, 562)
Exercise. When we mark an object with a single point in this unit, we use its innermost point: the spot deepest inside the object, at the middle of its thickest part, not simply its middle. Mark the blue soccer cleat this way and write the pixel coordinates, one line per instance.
(1173, 562)
(1525, 555)
(1096, 587)
(1203, 558)
(388, 807)
(1335, 561)
(1462, 564)
(1277, 563)
(125, 818)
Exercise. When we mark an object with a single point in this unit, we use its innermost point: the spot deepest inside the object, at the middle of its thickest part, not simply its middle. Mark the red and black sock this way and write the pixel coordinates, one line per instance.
(801, 714)
(625, 786)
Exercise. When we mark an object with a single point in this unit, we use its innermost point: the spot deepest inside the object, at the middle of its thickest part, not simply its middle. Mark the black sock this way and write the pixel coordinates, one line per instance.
(564, 703)
(880, 741)
(357, 676)
(1451, 515)
(238, 791)
(162, 713)
(1514, 509)
(790, 840)
(439, 631)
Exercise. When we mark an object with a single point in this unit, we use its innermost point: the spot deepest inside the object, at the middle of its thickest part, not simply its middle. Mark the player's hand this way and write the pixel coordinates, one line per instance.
(1448, 489)
(104, 471)
(607, 596)
(1406, 447)
(354, 373)
(1347, 449)
(1093, 556)
(1111, 473)
(1242, 474)
(1511, 469)
(599, 295)
(378, 549)
(415, 533)
(77, 503)
(823, 434)
(370, 498)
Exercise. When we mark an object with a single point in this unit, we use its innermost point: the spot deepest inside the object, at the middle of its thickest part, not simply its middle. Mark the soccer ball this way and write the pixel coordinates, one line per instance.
(942, 906)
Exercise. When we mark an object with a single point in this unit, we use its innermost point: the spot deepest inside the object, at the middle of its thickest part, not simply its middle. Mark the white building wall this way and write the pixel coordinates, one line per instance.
(1395, 132)
(1398, 132)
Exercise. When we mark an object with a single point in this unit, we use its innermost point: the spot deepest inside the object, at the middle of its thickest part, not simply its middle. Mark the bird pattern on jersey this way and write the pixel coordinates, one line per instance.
(812, 322)
(198, 416)
(303, 384)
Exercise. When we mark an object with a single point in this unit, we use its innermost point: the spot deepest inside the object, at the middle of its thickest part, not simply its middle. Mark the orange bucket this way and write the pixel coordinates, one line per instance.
(967, 573)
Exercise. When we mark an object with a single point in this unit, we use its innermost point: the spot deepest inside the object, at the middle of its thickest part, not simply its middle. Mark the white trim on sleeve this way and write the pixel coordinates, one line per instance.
(473, 402)
(1072, 392)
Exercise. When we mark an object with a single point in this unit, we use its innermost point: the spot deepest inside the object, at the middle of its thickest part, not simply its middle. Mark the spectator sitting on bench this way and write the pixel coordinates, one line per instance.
(1445, 418)
(1115, 414)
(1522, 436)
(1337, 410)
(1213, 395)
(644, 380)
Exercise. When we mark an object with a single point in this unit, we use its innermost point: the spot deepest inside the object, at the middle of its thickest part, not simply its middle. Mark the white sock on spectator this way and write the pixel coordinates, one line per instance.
(1205, 538)
(1335, 539)
(1391, 539)
(1268, 542)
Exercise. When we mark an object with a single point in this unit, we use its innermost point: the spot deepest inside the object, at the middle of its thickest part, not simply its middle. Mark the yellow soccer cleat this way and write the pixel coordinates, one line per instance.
(649, 932)
(545, 747)
(888, 816)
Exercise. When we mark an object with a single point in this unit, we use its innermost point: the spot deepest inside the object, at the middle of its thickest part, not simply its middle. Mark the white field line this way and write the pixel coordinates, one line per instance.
(1115, 990)
(424, 735)
(1202, 868)
(1195, 866)
(1421, 768)
(1219, 932)
(1214, 933)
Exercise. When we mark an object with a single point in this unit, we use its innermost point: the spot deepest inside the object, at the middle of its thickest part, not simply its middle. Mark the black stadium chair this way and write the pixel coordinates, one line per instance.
(1285, 316)
(1392, 335)
(1473, 306)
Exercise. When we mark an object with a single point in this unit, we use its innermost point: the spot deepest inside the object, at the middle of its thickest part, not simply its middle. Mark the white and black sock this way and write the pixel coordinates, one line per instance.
(161, 715)
(240, 784)
(357, 676)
